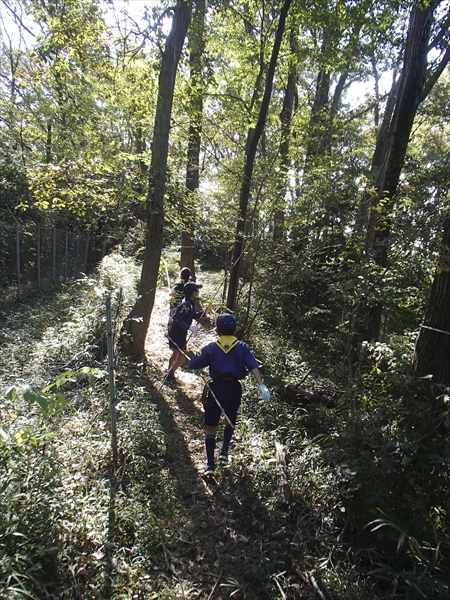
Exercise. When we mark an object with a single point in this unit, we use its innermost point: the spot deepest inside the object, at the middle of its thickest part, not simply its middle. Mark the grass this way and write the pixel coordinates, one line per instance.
(72, 528)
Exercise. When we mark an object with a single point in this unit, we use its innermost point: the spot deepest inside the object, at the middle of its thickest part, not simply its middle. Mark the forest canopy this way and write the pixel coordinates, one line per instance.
(304, 151)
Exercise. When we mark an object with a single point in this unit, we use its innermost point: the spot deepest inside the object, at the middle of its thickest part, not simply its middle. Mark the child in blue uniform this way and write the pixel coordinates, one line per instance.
(229, 361)
(177, 293)
(180, 325)
(176, 296)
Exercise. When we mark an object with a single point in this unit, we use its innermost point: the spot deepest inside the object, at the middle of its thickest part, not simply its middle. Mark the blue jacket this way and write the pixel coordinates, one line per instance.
(186, 313)
(177, 296)
(231, 361)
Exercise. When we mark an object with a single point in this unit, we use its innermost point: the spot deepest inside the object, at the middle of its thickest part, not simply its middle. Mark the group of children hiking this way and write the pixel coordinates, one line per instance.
(229, 360)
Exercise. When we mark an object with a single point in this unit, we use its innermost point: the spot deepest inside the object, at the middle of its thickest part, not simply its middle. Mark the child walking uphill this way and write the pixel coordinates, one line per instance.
(180, 325)
(228, 360)
(176, 296)
(177, 292)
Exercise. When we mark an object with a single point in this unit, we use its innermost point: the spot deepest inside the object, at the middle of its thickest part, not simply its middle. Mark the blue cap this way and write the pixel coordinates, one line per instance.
(226, 324)
(189, 289)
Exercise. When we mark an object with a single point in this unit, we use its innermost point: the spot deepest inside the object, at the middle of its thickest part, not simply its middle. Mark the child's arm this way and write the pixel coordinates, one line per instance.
(257, 375)
(199, 314)
(200, 361)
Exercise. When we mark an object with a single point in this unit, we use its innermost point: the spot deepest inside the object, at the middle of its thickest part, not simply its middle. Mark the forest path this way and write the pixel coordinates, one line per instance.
(184, 395)
(205, 537)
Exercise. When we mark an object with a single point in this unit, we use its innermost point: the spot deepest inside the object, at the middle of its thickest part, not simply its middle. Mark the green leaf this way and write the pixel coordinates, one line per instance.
(401, 539)
(10, 393)
(34, 396)
(49, 404)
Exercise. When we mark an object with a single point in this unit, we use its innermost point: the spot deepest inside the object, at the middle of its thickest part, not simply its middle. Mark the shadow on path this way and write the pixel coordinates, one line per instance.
(224, 545)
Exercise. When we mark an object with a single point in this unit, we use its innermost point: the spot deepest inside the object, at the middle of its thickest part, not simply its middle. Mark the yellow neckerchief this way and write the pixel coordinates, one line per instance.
(227, 342)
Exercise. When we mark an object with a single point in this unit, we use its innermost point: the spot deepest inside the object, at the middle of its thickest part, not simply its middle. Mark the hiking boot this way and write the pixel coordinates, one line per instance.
(209, 470)
(223, 456)
(170, 376)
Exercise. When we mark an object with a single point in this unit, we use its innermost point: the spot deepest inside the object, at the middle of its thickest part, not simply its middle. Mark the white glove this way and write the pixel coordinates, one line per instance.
(193, 328)
(265, 394)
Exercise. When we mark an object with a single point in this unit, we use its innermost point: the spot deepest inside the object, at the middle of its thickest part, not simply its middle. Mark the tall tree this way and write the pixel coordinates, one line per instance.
(70, 137)
(415, 83)
(135, 326)
(285, 119)
(340, 27)
(432, 351)
(13, 59)
(196, 91)
(254, 135)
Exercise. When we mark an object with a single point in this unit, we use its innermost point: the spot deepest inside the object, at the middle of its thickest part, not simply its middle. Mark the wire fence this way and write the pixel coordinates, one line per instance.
(33, 253)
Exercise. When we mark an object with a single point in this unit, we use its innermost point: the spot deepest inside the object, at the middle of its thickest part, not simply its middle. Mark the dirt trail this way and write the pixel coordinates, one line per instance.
(207, 525)
(183, 396)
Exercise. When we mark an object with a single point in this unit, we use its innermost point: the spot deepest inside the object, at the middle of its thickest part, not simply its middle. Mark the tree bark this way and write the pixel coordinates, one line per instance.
(135, 326)
(195, 133)
(319, 122)
(285, 119)
(252, 144)
(432, 351)
(325, 109)
(392, 143)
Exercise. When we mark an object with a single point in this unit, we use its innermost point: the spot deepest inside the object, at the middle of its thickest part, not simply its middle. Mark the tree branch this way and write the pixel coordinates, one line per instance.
(434, 75)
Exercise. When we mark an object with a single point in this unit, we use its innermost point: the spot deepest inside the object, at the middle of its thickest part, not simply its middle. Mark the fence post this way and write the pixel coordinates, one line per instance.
(54, 252)
(110, 563)
(38, 252)
(16, 223)
(77, 258)
(87, 252)
(66, 265)
(112, 388)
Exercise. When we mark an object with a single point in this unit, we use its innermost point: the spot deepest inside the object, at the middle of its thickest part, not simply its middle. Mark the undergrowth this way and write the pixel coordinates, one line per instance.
(359, 509)
(377, 464)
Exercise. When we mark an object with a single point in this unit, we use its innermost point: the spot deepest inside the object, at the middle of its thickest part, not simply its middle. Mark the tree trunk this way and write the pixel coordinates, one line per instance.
(319, 124)
(48, 144)
(252, 144)
(135, 326)
(141, 147)
(392, 143)
(187, 249)
(285, 118)
(325, 109)
(432, 351)
(195, 132)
